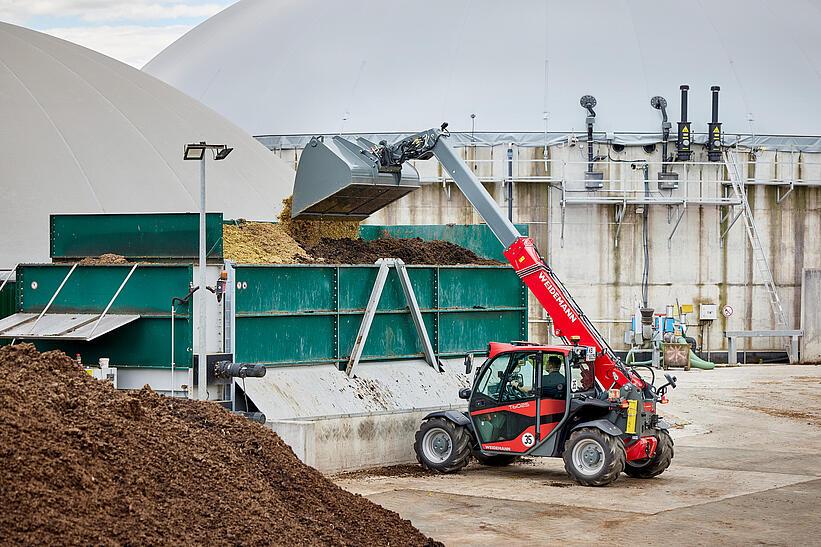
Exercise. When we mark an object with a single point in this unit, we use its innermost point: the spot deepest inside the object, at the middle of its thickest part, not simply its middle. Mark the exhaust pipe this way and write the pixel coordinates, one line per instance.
(683, 149)
(714, 130)
(667, 181)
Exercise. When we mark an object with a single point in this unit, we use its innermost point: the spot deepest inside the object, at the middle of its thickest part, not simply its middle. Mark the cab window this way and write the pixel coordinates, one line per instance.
(519, 379)
(491, 381)
(554, 381)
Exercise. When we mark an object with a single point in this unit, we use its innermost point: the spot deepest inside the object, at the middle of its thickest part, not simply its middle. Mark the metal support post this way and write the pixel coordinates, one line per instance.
(732, 359)
(367, 320)
(416, 315)
(793, 350)
(510, 182)
(202, 352)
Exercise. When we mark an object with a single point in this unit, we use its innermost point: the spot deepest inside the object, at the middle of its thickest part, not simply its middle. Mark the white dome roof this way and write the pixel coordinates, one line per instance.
(280, 67)
(83, 133)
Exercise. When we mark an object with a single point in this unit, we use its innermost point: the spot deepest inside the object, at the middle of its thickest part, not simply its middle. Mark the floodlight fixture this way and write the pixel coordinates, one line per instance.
(222, 153)
(195, 151)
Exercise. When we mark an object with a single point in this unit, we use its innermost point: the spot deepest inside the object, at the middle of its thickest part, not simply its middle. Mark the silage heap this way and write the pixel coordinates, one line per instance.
(85, 464)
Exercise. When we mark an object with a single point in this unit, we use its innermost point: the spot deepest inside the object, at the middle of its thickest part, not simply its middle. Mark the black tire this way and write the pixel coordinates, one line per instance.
(494, 460)
(442, 446)
(656, 465)
(593, 458)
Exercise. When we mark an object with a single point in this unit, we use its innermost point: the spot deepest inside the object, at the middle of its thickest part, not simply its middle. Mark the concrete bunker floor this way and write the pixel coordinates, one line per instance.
(747, 470)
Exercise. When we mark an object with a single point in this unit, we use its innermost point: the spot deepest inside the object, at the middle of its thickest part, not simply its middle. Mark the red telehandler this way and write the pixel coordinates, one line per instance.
(576, 401)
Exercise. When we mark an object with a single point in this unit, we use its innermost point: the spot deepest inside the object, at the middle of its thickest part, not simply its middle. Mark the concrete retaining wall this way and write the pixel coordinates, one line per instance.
(347, 443)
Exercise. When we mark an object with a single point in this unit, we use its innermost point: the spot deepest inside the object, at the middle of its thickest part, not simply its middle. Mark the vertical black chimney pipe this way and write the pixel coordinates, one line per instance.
(714, 130)
(683, 149)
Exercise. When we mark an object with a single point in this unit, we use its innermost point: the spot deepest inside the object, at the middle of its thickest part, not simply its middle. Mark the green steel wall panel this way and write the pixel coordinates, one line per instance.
(145, 342)
(310, 314)
(286, 339)
(149, 291)
(464, 332)
(138, 236)
(285, 289)
(356, 283)
(476, 237)
(486, 287)
(392, 336)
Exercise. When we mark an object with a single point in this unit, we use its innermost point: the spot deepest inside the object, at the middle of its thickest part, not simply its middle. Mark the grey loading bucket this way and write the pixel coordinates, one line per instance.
(341, 179)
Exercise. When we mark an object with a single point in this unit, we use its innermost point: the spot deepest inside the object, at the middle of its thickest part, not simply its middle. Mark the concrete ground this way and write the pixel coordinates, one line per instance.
(747, 470)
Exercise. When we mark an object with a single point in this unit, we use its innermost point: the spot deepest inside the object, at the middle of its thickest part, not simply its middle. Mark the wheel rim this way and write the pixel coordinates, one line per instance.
(437, 445)
(588, 457)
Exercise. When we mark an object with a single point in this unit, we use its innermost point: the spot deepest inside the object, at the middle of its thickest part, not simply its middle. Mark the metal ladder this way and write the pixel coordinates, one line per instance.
(759, 256)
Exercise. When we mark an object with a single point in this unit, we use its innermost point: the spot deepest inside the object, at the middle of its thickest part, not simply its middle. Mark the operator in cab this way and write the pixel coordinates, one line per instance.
(553, 383)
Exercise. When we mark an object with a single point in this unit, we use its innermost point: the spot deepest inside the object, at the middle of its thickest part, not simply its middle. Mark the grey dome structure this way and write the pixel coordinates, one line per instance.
(282, 68)
(83, 133)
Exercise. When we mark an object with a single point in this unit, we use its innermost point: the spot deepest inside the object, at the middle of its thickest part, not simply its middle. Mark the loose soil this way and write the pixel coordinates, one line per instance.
(107, 258)
(260, 243)
(84, 464)
(411, 251)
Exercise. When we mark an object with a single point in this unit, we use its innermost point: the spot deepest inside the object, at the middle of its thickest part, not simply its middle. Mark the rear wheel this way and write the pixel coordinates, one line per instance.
(494, 460)
(442, 446)
(658, 463)
(593, 458)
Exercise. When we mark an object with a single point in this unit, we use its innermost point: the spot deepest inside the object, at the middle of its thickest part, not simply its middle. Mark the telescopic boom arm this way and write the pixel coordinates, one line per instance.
(568, 319)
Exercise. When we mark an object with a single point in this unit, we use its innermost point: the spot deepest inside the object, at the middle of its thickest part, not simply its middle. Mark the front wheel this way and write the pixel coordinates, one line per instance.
(593, 458)
(442, 446)
(655, 465)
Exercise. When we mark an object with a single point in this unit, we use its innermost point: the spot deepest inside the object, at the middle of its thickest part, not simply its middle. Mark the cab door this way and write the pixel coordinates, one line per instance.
(553, 388)
(504, 403)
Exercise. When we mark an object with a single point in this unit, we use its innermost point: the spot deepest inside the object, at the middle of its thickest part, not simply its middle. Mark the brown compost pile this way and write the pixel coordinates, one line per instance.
(84, 464)
(331, 242)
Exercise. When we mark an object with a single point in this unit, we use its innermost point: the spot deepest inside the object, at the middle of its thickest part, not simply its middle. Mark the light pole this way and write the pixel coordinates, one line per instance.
(196, 152)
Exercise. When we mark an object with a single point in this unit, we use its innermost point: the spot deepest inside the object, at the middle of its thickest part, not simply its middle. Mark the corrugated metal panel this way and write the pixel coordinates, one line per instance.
(62, 326)
(137, 236)
(476, 237)
(147, 341)
(309, 314)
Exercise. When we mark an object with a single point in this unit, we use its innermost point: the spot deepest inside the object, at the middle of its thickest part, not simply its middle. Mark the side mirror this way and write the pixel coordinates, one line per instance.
(671, 380)
(464, 393)
(468, 363)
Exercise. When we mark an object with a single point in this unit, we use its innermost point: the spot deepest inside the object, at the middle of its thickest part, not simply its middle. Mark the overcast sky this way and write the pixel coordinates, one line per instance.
(132, 31)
